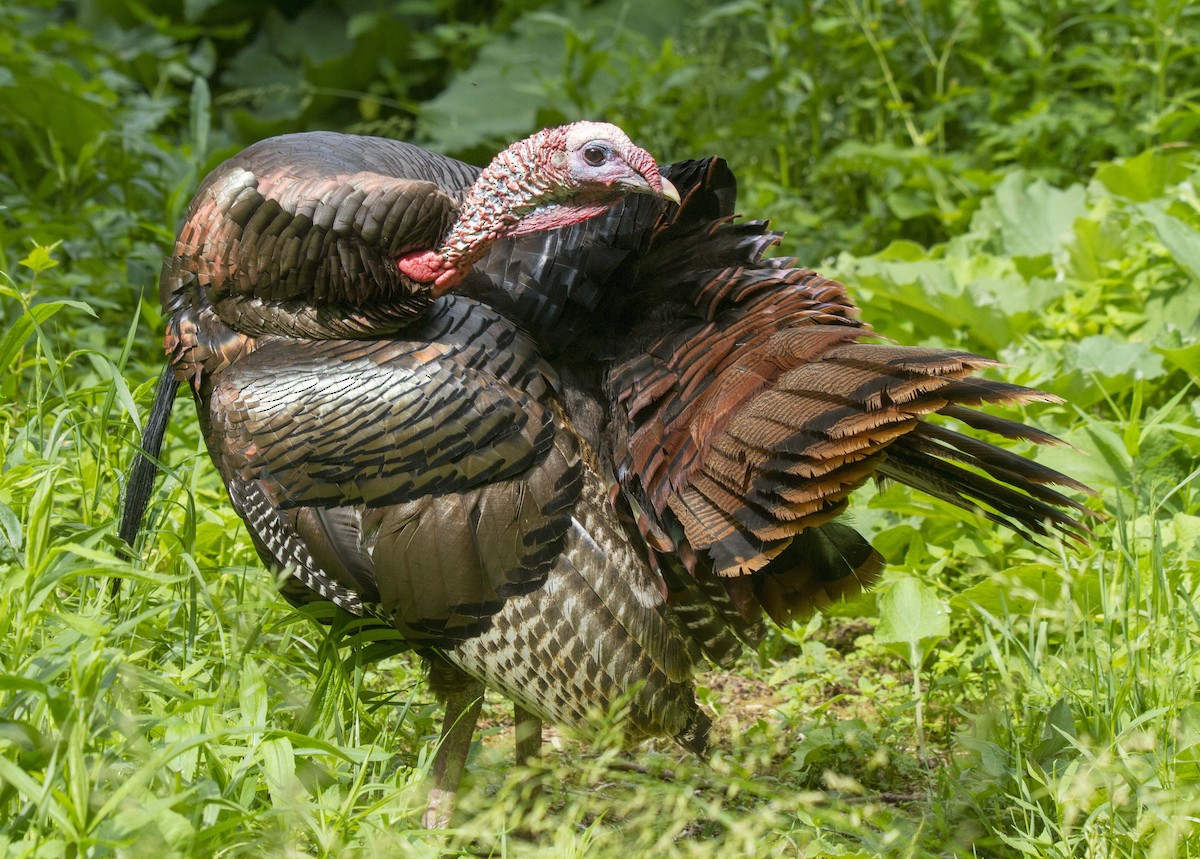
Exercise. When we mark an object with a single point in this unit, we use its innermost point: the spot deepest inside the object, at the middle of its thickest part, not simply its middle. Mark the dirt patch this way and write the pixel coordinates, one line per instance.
(745, 695)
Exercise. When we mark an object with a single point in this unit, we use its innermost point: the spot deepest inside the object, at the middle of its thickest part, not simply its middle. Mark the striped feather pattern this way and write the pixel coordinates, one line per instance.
(746, 414)
(335, 422)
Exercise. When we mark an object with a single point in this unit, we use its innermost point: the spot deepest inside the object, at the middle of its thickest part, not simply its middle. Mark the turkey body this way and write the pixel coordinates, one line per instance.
(424, 472)
(606, 456)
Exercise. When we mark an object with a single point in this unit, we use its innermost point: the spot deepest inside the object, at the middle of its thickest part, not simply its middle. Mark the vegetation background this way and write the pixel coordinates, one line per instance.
(1018, 178)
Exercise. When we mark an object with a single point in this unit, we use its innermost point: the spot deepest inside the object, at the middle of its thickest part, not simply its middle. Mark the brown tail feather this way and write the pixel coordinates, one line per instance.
(1000, 463)
(1018, 506)
(750, 408)
(751, 430)
(820, 566)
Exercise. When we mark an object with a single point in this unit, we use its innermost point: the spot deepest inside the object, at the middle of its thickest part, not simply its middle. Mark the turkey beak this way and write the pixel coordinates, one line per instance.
(669, 191)
(638, 184)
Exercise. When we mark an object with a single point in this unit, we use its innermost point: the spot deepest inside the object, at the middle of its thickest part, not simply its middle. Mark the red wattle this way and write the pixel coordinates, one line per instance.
(421, 266)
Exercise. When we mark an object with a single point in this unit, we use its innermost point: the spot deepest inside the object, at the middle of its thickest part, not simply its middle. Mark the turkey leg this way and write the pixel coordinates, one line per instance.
(462, 712)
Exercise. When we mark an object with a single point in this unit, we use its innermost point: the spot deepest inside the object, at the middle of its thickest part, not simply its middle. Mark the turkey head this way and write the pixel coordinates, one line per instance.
(555, 178)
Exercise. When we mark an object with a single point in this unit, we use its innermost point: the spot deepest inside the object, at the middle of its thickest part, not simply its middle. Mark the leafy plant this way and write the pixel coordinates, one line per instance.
(912, 621)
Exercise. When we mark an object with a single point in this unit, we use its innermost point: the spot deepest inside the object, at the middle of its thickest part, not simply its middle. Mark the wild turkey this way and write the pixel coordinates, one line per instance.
(581, 445)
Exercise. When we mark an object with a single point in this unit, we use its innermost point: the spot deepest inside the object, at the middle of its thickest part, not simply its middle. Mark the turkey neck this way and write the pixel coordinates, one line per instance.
(513, 185)
(525, 189)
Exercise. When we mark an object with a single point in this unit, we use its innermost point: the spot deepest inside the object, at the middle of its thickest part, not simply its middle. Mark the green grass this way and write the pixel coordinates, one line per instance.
(1024, 187)
(197, 715)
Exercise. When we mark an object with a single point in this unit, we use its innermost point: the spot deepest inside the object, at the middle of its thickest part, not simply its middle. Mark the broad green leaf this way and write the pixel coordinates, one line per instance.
(1186, 757)
(10, 681)
(193, 9)
(1181, 536)
(1059, 721)
(1013, 591)
(58, 108)
(1111, 448)
(902, 251)
(1096, 243)
(1057, 733)
(20, 734)
(316, 36)
(1107, 356)
(912, 620)
(1100, 365)
(152, 822)
(1186, 358)
(496, 99)
(1143, 177)
(89, 627)
(1181, 239)
(279, 765)
(514, 80)
(252, 694)
(1035, 217)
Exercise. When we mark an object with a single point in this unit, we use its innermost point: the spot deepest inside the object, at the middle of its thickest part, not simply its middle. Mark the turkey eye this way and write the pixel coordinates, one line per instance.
(595, 155)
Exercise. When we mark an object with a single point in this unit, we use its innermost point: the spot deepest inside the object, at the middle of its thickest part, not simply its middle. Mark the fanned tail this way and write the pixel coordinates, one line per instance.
(750, 404)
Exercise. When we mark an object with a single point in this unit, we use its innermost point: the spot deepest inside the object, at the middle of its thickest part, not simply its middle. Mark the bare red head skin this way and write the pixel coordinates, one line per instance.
(557, 177)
